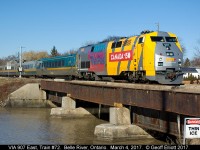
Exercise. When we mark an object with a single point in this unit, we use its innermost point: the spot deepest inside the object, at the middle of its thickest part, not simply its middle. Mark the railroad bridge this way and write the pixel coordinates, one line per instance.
(157, 107)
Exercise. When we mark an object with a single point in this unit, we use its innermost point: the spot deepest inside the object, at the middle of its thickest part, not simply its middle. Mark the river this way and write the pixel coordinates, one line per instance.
(36, 126)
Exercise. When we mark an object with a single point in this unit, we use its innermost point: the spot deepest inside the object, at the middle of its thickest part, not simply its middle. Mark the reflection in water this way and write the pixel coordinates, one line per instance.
(36, 126)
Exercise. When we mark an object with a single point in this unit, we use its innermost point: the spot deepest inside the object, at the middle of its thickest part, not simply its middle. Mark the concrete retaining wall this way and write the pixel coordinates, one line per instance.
(30, 95)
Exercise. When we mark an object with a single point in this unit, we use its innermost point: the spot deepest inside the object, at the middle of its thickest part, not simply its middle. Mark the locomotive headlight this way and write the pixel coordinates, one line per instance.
(160, 59)
(179, 60)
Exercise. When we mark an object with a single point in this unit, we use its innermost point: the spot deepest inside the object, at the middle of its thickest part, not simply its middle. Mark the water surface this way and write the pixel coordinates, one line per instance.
(36, 126)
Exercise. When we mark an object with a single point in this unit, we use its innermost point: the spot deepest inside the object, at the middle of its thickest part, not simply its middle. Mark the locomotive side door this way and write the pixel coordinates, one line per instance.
(139, 55)
(78, 62)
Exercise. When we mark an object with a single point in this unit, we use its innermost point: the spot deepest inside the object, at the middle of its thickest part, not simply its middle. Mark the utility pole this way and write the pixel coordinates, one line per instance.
(20, 62)
(158, 26)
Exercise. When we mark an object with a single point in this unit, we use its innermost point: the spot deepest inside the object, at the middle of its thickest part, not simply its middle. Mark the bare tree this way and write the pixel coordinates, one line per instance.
(112, 38)
(32, 55)
(197, 50)
(71, 51)
(109, 38)
(182, 46)
(41, 54)
(196, 62)
(2, 62)
(196, 59)
(9, 58)
(87, 43)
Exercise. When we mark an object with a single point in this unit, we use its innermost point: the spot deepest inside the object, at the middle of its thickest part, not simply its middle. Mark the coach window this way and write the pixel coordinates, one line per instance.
(62, 63)
(55, 64)
(59, 63)
(46, 65)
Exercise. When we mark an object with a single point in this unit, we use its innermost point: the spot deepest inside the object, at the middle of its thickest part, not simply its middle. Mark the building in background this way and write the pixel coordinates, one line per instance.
(195, 72)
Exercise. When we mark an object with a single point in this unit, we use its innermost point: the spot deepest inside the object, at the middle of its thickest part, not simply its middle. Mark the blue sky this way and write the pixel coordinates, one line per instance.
(68, 24)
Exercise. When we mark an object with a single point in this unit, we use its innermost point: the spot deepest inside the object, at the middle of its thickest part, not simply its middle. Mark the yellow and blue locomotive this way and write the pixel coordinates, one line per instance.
(148, 57)
(151, 56)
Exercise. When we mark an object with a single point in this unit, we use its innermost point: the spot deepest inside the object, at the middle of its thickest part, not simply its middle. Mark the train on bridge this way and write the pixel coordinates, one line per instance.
(148, 57)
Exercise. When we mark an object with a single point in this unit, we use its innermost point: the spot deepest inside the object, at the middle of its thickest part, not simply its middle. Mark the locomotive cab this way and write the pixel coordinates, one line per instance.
(168, 58)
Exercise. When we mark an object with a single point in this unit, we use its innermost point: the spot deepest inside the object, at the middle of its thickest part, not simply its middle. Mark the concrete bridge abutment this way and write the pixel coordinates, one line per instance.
(29, 95)
(119, 126)
(68, 109)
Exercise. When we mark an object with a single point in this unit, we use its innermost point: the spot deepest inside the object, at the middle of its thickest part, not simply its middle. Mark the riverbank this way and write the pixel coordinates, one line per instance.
(9, 85)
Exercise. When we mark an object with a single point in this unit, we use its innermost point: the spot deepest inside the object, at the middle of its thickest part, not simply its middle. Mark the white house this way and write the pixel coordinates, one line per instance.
(195, 72)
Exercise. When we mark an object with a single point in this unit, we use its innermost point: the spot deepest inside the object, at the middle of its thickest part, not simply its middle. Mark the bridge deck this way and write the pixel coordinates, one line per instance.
(156, 106)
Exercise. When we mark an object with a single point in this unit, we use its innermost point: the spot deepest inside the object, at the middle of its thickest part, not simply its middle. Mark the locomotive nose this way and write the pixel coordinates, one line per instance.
(167, 46)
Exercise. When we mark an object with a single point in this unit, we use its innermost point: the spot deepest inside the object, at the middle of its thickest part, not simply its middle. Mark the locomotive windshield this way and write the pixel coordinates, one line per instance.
(157, 39)
(161, 39)
(171, 39)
